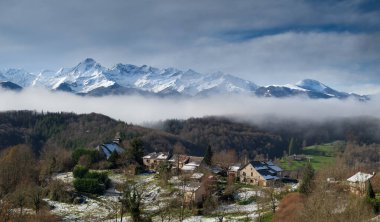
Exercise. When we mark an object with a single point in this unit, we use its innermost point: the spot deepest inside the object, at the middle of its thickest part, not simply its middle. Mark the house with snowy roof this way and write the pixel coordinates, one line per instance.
(233, 171)
(178, 160)
(192, 164)
(358, 182)
(193, 192)
(259, 173)
(153, 160)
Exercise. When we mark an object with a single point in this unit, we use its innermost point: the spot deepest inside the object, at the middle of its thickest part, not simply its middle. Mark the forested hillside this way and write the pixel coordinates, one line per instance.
(272, 138)
(222, 133)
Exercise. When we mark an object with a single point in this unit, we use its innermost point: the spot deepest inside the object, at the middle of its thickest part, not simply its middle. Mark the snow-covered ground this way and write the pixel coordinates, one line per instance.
(233, 208)
(106, 207)
(66, 177)
(91, 210)
(246, 193)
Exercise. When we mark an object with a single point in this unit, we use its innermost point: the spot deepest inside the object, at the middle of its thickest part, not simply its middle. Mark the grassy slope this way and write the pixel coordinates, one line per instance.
(320, 155)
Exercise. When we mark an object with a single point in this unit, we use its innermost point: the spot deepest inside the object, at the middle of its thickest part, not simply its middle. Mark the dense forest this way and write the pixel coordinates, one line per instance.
(270, 138)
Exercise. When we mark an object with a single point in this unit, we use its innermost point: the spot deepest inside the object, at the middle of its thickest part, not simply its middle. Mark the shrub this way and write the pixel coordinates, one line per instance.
(80, 171)
(57, 191)
(93, 154)
(101, 177)
(89, 185)
(90, 182)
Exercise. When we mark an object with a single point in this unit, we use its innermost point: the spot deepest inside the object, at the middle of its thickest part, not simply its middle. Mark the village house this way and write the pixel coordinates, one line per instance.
(259, 173)
(358, 182)
(178, 160)
(153, 160)
(194, 193)
(108, 148)
(197, 177)
(192, 164)
(233, 172)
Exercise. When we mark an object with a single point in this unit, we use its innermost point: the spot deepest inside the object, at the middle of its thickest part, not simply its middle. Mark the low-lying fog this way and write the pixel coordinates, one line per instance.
(137, 109)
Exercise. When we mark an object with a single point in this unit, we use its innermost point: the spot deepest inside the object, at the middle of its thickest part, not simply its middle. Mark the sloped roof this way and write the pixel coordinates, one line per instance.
(268, 170)
(188, 167)
(197, 176)
(155, 155)
(360, 177)
(182, 158)
(235, 167)
(192, 186)
(196, 159)
(108, 148)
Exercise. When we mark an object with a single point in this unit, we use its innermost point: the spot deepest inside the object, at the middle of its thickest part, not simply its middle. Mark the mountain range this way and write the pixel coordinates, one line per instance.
(91, 78)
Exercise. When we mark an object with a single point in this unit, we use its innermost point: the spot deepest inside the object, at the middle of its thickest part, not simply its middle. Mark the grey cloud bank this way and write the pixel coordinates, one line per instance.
(138, 110)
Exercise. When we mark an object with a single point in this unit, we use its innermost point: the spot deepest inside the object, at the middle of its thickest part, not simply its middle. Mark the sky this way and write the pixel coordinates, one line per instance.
(267, 42)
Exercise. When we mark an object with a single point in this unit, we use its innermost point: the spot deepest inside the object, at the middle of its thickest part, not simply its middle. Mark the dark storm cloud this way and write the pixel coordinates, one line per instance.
(334, 41)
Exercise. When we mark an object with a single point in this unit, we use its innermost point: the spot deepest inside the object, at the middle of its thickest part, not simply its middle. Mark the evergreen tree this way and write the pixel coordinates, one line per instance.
(307, 178)
(370, 193)
(291, 147)
(136, 150)
(113, 159)
(164, 172)
(208, 155)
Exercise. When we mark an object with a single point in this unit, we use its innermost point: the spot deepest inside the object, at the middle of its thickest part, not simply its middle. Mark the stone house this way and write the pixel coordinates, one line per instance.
(153, 160)
(358, 182)
(259, 173)
(194, 193)
(233, 172)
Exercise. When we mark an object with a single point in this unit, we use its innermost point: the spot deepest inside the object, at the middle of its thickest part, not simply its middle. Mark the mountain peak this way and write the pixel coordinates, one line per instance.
(89, 75)
(86, 65)
(88, 61)
(312, 84)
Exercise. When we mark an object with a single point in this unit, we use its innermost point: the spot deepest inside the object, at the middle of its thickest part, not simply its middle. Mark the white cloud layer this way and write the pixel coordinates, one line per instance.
(138, 109)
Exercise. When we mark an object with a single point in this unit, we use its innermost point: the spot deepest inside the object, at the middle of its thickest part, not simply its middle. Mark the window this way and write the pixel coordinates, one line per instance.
(251, 174)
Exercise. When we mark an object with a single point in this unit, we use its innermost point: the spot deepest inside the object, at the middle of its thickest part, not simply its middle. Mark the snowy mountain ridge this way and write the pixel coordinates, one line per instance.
(91, 78)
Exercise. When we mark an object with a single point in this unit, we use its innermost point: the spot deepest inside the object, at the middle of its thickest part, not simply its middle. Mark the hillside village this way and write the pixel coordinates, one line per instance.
(82, 174)
(203, 190)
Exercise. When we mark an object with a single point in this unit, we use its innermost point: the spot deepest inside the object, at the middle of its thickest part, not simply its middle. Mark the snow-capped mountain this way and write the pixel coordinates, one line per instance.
(307, 88)
(10, 86)
(91, 78)
(17, 76)
(89, 75)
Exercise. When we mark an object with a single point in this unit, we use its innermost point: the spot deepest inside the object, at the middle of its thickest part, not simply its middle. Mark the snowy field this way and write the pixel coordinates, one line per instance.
(107, 206)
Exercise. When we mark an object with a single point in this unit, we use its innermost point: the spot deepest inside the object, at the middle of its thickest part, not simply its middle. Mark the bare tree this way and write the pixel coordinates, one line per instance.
(35, 196)
(132, 201)
(225, 158)
(19, 198)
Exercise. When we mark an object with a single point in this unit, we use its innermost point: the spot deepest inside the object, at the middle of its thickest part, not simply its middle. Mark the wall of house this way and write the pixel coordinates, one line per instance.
(153, 163)
(250, 176)
(195, 196)
(232, 175)
(358, 188)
